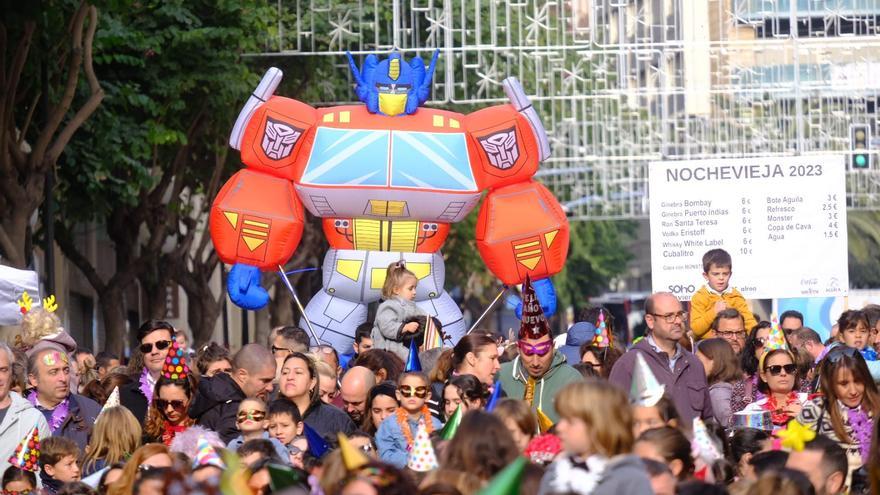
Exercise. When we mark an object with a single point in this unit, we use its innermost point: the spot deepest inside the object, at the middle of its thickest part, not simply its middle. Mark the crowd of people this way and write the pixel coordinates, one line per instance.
(710, 402)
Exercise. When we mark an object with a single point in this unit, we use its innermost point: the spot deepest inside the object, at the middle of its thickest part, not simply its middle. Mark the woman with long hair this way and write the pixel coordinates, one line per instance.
(745, 390)
(381, 403)
(719, 363)
(151, 455)
(849, 405)
(167, 414)
(115, 436)
(777, 381)
(299, 383)
(475, 354)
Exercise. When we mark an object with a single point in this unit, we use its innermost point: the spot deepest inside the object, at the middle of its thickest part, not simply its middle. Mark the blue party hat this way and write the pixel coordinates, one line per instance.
(494, 398)
(317, 445)
(412, 361)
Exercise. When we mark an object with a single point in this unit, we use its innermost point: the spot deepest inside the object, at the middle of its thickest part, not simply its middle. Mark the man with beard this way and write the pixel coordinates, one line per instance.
(677, 369)
(730, 325)
(69, 415)
(155, 338)
(539, 371)
(356, 385)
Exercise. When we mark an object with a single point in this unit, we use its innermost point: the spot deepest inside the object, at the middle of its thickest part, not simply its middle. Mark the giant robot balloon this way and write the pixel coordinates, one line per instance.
(387, 178)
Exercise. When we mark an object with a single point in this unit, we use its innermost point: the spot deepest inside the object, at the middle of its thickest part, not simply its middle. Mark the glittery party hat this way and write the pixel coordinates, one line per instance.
(544, 421)
(603, 336)
(352, 457)
(494, 398)
(207, 456)
(27, 454)
(451, 425)
(534, 325)
(175, 363)
(422, 458)
(317, 445)
(433, 335)
(508, 480)
(703, 446)
(412, 361)
(645, 390)
(775, 342)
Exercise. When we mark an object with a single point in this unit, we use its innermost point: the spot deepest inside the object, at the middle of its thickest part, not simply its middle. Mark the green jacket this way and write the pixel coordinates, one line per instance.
(513, 378)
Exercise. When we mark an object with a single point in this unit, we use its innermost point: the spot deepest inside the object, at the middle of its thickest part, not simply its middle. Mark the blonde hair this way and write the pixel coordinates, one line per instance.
(115, 435)
(395, 278)
(324, 369)
(125, 483)
(604, 409)
(36, 324)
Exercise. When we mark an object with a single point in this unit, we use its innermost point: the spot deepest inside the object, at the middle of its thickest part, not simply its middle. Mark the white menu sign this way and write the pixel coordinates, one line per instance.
(782, 219)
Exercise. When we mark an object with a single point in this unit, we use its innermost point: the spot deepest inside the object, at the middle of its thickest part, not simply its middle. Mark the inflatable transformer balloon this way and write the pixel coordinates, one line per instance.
(387, 178)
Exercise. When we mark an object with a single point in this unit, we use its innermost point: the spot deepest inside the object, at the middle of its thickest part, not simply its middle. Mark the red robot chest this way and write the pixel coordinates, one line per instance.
(359, 165)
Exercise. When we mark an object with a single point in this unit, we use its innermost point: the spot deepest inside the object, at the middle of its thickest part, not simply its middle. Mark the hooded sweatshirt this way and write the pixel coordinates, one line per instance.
(596, 475)
(19, 420)
(216, 405)
(514, 377)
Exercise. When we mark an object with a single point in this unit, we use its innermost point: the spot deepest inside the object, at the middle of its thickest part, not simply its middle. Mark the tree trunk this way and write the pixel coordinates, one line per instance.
(112, 306)
(202, 313)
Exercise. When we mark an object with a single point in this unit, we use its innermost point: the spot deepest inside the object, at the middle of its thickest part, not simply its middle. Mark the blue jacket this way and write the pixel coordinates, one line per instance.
(280, 448)
(391, 442)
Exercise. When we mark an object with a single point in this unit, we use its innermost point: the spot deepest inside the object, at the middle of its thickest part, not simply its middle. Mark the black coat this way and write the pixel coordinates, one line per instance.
(328, 420)
(131, 397)
(215, 405)
(80, 420)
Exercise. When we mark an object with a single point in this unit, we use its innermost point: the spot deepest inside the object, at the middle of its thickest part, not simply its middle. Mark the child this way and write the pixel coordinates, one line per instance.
(297, 450)
(396, 433)
(717, 295)
(398, 318)
(17, 480)
(595, 426)
(663, 413)
(285, 425)
(252, 422)
(58, 463)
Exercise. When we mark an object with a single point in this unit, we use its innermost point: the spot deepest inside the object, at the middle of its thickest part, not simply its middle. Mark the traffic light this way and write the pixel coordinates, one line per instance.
(860, 136)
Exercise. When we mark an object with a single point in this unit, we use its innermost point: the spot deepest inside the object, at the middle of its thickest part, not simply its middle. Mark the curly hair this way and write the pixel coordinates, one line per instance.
(36, 324)
(154, 426)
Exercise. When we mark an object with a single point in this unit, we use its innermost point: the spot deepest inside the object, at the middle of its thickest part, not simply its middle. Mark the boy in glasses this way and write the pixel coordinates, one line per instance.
(252, 421)
(717, 295)
(395, 435)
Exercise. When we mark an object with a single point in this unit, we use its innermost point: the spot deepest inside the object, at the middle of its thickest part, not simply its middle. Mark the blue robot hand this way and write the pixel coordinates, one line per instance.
(546, 295)
(243, 286)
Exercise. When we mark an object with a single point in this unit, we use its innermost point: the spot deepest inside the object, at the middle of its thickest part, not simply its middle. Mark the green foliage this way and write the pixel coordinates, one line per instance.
(863, 234)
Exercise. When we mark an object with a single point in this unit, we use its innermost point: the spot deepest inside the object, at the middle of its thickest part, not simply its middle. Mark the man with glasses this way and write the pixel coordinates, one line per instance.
(677, 369)
(155, 339)
(539, 371)
(730, 325)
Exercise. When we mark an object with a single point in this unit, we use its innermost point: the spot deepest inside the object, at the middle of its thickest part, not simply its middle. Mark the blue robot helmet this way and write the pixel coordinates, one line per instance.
(392, 86)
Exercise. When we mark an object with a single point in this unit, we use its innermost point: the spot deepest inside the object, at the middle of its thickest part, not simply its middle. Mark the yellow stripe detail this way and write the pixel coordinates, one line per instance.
(454, 124)
(394, 69)
(525, 245)
(328, 117)
(256, 224)
(404, 236)
(528, 253)
(232, 218)
(344, 117)
(438, 121)
(255, 232)
(366, 234)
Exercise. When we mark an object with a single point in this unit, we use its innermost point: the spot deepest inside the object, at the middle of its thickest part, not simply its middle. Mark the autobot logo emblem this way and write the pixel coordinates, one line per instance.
(279, 139)
(501, 148)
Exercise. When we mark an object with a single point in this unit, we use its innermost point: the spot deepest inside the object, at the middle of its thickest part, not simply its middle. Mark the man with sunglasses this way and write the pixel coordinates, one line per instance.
(539, 371)
(673, 366)
(155, 339)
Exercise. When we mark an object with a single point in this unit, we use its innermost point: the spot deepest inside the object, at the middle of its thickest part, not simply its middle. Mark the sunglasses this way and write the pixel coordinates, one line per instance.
(161, 345)
(177, 405)
(535, 350)
(838, 352)
(776, 369)
(276, 350)
(252, 414)
(407, 391)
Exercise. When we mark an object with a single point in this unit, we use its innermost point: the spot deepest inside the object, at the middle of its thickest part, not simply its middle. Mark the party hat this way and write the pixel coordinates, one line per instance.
(412, 361)
(207, 455)
(317, 445)
(775, 342)
(281, 477)
(534, 325)
(603, 336)
(352, 457)
(494, 398)
(507, 481)
(544, 421)
(433, 335)
(645, 390)
(703, 446)
(234, 479)
(27, 454)
(422, 458)
(175, 363)
(451, 425)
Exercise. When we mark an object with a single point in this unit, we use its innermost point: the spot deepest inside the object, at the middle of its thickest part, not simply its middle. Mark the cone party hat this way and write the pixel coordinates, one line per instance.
(775, 341)
(175, 363)
(451, 425)
(27, 454)
(351, 456)
(317, 445)
(422, 458)
(603, 336)
(508, 480)
(412, 361)
(207, 455)
(494, 398)
(534, 325)
(645, 390)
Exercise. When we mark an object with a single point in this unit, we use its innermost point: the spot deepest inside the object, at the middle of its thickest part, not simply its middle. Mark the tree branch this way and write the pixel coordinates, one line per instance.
(68, 247)
(91, 104)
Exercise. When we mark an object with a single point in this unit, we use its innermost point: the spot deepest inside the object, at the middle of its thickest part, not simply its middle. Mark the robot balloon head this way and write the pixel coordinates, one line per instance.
(393, 86)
